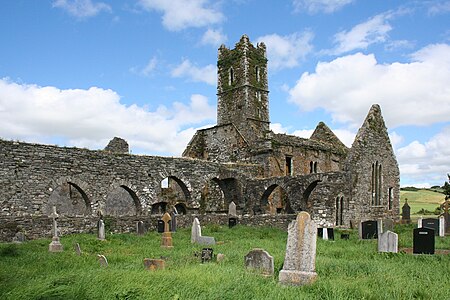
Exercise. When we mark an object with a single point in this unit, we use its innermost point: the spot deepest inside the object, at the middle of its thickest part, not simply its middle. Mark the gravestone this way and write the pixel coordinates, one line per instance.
(423, 241)
(232, 222)
(173, 222)
(345, 236)
(326, 233)
(77, 249)
(140, 228)
(260, 260)
(160, 226)
(232, 209)
(102, 260)
(431, 223)
(166, 241)
(220, 257)
(196, 235)
(406, 213)
(330, 233)
(207, 254)
(55, 245)
(19, 237)
(154, 264)
(388, 242)
(101, 230)
(446, 214)
(441, 226)
(300, 260)
(419, 222)
(368, 230)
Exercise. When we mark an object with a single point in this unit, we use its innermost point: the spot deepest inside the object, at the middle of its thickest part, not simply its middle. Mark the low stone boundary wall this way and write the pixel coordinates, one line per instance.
(40, 227)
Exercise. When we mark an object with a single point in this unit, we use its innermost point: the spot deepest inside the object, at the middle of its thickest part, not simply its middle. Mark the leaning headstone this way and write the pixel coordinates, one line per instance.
(388, 242)
(101, 230)
(140, 228)
(406, 213)
(368, 230)
(260, 260)
(55, 245)
(196, 235)
(77, 249)
(207, 254)
(102, 260)
(441, 226)
(300, 260)
(431, 223)
(423, 241)
(19, 237)
(232, 209)
(154, 264)
(166, 241)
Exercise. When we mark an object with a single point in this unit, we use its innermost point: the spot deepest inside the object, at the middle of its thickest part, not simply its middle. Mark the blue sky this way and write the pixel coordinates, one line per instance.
(79, 72)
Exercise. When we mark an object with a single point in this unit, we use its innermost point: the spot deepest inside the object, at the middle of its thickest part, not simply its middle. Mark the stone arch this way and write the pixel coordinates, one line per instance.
(181, 208)
(159, 208)
(122, 200)
(70, 198)
(275, 200)
(307, 193)
(218, 193)
(176, 191)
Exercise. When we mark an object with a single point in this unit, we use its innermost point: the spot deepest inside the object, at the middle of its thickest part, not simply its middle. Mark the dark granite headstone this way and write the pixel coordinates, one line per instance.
(406, 213)
(320, 232)
(432, 224)
(423, 242)
(160, 226)
(330, 232)
(369, 230)
(345, 236)
(232, 222)
(207, 254)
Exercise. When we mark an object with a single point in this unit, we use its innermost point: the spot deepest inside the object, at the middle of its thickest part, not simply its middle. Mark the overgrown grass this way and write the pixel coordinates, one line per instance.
(421, 199)
(347, 269)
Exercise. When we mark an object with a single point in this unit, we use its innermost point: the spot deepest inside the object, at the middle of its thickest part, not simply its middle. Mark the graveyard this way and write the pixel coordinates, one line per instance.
(346, 268)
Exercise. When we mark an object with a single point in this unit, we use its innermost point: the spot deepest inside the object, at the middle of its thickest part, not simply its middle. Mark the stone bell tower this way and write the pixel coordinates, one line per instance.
(242, 89)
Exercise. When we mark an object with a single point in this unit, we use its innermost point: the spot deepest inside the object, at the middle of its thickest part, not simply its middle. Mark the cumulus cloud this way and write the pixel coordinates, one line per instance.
(430, 160)
(207, 74)
(181, 14)
(287, 51)
(82, 8)
(90, 118)
(439, 7)
(213, 37)
(148, 69)
(413, 93)
(315, 6)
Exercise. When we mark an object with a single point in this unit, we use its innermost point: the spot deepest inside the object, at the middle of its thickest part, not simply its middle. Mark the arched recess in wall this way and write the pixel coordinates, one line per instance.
(275, 201)
(306, 203)
(70, 200)
(173, 192)
(122, 201)
(217, 194)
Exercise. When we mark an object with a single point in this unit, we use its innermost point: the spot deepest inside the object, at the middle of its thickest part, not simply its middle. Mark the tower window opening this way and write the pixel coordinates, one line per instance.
(289, 166)
(230, 76)
(258, 75)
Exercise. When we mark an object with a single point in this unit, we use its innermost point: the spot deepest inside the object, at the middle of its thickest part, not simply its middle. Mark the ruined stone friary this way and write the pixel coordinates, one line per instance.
(270, 177)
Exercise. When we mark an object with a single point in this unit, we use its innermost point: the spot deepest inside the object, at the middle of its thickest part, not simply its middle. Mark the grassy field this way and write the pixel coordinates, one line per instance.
(347, 269)
(421, 199)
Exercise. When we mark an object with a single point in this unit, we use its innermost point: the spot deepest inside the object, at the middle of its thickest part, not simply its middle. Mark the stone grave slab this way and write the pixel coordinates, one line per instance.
(140, 228)
(102, 260)
(431, 223)
(388, 242)
(259, 260)
(232, 222)
(423, 240)
(232, 209)
(77, 249)
(160, 226)
(368, 230)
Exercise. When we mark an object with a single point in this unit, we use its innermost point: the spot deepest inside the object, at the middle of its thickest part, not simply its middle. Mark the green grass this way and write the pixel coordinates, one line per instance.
(350, 269)
(421, 199)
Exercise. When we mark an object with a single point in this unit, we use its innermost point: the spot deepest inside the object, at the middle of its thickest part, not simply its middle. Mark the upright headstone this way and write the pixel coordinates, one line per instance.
(160, 226)
(102, 260)
(260, 260)
(431, 223)
(173, 221)
(166, 241)
(388, 242)
(77, 249)
(140, 228)
(406, 213)
(101, 230)
(423, 241)
(207, 254)
(232, 209)
(330, 233)
(379, 226)
(441, 226)
(300, 260)
(154, 264)
(368, 230)
(326, 233)
(419, 222)
(232, 222)
(55, 245)
(446, 208)
(196, 235)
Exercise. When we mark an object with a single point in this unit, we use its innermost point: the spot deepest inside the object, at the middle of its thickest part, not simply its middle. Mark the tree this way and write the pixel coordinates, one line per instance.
(446, 188)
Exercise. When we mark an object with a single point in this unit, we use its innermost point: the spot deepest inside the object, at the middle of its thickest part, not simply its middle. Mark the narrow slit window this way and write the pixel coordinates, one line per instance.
(230, 76)
(288, 166)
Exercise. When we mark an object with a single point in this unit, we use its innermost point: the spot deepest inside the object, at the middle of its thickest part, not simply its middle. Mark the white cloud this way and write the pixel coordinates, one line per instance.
(439, 7)
(414, 93)
(430, 160)
(181, 14)
(315, 6)
(374, 30)
(207, 74)
(287, 51)
(213, 37)
(90, 118)
(82, 8)
(148, 69)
